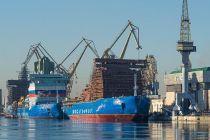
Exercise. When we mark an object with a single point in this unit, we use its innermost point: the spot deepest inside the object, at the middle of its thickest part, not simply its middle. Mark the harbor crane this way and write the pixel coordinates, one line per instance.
(185, 47)
(72, 69)
(39, 51)
(134, 30)
(24, 72)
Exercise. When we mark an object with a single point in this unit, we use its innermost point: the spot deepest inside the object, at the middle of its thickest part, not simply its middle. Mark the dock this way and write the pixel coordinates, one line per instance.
(192, 118)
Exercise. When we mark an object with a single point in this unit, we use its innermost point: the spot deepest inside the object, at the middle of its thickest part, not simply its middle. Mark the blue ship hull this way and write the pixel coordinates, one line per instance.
(42, 111)
(131, 108)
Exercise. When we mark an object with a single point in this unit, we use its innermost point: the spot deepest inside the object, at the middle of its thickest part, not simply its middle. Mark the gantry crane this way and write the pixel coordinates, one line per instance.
(134, 30)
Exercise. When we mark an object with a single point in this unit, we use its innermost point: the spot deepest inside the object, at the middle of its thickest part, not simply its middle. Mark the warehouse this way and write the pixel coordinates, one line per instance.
(199, 87)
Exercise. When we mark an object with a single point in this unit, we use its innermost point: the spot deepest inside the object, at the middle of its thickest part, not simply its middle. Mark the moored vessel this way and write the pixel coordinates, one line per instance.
(45, 92)
(126, 109)
(117, 92)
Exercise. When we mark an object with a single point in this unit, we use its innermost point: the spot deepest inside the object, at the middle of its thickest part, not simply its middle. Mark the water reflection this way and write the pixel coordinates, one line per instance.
(54, 129)
(192, 131)
(113, 130)
(179, 131)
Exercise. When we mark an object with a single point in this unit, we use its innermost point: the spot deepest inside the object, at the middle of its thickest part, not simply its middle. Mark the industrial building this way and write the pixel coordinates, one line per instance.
(115, 77)
(156, 105)
(16, 89)
(199, 87)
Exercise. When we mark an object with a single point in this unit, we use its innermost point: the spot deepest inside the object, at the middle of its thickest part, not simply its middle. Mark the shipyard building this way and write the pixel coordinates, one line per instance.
(16, 89)
(199, 87)
(115, 77)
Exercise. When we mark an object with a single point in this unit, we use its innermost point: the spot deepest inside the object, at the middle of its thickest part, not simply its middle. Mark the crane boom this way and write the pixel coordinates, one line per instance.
(47, 53)
(88, 42)
(78, 61)
(133, 28)
(38, 56)
(71, 52)
(126, 46)
(73, 68)
(93, 49)
(88, 45)
(39, 51)
(112, 45)
(31, 52)
(132, 32)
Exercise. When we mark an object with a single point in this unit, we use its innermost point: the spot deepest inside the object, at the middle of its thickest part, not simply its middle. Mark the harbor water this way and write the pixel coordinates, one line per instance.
(43, 129)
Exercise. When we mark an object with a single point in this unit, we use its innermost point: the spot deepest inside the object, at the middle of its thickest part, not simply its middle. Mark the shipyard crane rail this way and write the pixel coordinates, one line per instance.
(134, 30)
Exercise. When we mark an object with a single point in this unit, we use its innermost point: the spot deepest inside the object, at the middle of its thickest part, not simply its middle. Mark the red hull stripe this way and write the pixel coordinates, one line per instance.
(32, 95)
(105, 118)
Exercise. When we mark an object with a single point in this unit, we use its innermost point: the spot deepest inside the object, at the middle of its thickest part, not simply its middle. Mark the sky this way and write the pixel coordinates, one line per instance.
(60, 24)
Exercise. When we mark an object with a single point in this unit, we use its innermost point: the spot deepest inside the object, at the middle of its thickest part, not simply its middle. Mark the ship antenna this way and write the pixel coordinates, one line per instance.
(135, 88)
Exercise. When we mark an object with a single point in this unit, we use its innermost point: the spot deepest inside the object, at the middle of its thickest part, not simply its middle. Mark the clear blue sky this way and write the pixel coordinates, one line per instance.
(60, 24)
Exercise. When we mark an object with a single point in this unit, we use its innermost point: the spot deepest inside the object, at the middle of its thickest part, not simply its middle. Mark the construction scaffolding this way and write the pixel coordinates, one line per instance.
(114, 78)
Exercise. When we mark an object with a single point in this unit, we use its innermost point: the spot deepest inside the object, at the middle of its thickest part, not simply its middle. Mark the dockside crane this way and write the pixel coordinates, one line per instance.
(24, 70)
(185, 47)
(39, 51)
(33, 50)
(134, 30)
(59, 67)
(72, 69)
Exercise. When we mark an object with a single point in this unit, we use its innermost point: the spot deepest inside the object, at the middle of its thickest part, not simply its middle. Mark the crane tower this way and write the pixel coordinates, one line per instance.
(185, 47)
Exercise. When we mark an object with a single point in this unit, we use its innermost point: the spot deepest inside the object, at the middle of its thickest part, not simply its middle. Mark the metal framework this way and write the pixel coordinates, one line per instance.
(72, 69)
(39, 51)
(185, 47)
(185, 35)
(134, 30)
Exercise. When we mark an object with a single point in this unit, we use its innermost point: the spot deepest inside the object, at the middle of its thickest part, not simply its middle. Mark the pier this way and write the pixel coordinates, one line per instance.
(191, 119)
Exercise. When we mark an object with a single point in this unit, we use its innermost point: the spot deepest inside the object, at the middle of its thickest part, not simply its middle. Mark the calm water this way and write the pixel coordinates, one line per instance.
(15, 129)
